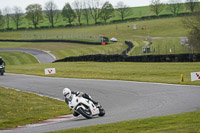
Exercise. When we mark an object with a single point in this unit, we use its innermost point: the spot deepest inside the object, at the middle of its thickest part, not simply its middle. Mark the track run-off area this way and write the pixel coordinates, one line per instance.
(41, 56)
(122, 100)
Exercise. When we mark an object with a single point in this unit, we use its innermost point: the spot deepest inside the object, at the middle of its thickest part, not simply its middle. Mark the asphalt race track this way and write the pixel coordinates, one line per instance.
(41, 56)
(122, 100)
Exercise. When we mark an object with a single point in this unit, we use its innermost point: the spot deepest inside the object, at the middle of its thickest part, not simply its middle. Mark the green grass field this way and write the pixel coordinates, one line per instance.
(129, 71)
(20, 108)
(159, 46)
(181, 123)
(170, 27)
(62, 50)
(166, 27)
(17, 58)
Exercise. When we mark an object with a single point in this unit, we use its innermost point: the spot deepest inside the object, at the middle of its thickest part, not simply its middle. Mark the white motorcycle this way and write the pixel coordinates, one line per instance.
(85, 107)
(2, 69)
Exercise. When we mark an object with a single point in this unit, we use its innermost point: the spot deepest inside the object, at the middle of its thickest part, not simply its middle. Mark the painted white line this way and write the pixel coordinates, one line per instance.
(49, 52)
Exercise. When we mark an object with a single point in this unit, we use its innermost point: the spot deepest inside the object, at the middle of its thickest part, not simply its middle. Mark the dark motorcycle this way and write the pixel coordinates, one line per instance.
(2, 69)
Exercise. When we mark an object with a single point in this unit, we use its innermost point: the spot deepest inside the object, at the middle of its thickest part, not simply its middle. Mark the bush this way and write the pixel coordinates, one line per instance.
(22, 28)
(60, 26)
(69, 25)
(44, 27)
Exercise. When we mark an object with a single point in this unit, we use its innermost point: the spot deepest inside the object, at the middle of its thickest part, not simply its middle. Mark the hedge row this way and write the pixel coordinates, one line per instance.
(145, 58)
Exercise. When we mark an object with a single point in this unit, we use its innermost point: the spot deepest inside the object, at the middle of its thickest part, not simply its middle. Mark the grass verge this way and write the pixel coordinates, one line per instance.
(159, 46)
(17, 58)
(130, 71)
(62, 50)
(167, 27)
(180, 123)
(19, 108)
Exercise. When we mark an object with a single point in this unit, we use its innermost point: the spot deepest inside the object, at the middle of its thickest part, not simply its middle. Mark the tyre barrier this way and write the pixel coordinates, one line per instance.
(144, 58)
(97, 58)
(52, 40)
(130, 46)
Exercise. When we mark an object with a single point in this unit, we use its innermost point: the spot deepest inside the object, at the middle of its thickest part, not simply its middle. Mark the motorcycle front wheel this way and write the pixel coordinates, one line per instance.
(2, 73)
(102, 112)
(85, 113)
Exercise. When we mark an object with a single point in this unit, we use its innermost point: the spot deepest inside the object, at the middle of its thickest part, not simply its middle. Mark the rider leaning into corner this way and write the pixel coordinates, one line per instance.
(68, 97)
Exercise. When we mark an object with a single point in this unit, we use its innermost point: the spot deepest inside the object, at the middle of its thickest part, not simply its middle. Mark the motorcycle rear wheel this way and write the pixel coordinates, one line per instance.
(87, 114)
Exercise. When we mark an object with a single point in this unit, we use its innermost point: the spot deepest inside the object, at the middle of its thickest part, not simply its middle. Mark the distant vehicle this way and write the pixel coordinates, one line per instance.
(113, 39)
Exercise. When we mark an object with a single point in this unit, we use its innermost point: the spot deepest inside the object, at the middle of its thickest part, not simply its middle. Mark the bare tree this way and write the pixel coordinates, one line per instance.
(17, 16)
(156, 6)
(191, 5)
(193, 23)
(174, 6)
(6, 13)
(95, 9)
(52, 12)
(78, 7)
(34, 14)
(1, 20)
(68, 13)
(107, 11)
(123, 10)
(86, 11)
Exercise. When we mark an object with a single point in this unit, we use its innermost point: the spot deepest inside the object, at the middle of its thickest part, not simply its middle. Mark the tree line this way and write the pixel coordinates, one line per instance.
(80, 10)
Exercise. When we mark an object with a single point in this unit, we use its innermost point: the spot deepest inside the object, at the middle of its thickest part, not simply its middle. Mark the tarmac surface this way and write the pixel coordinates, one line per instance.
(122, 100)
(41, 56)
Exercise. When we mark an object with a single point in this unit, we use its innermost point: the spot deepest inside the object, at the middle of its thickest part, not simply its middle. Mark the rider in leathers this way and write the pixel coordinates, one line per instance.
(2, 62)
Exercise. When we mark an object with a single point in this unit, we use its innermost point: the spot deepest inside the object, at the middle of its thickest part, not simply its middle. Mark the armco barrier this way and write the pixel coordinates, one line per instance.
(145, 58)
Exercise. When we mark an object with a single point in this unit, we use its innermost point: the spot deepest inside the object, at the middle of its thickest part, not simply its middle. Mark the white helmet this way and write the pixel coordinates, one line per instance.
(67, 93)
